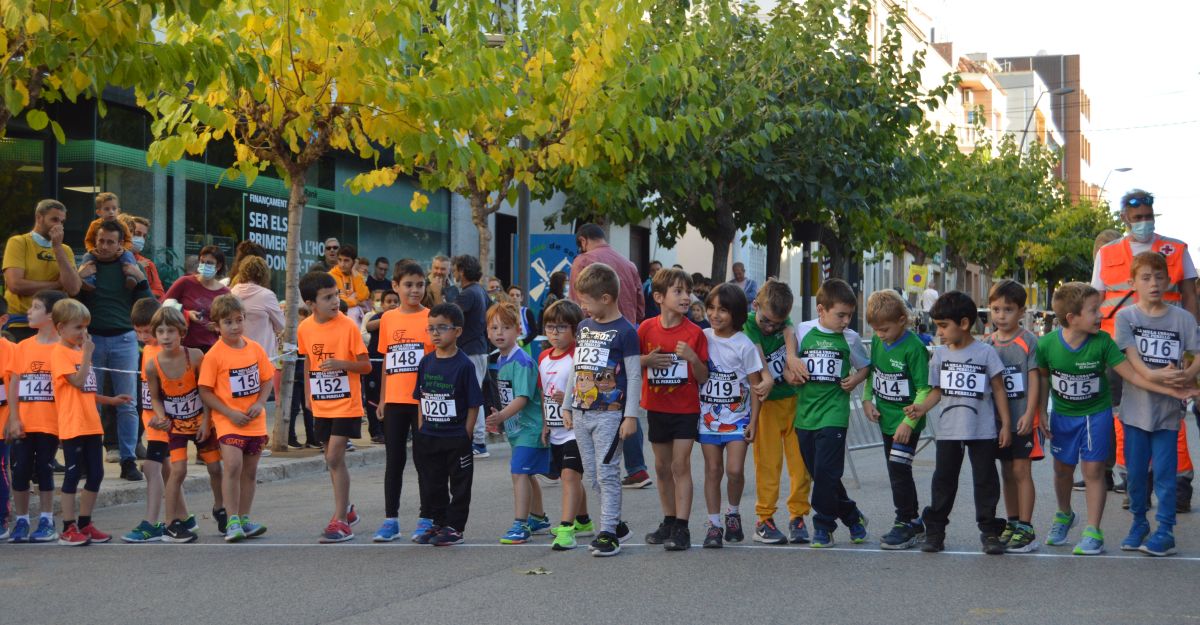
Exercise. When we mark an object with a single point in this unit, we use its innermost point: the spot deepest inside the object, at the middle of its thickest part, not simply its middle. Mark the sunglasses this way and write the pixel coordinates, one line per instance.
(1140, 201)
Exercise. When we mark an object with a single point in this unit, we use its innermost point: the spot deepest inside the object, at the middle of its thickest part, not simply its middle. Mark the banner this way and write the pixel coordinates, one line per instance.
(548, 253)
(918, 278)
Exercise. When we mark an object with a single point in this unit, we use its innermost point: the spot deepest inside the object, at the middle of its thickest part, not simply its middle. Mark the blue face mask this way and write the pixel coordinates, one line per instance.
(138, 243)
(1142, 231)
(39, 239)
(207, 271)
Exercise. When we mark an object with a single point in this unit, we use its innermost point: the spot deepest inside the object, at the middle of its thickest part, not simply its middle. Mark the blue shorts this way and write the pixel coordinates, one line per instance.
(529, 461)
(721, 439)
(1086, 439)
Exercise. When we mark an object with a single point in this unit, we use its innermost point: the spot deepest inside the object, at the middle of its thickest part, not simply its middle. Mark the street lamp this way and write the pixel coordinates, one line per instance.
(1025, 132)
(1100, 197)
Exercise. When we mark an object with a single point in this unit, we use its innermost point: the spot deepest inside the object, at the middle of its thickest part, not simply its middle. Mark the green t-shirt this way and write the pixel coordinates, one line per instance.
(829, 356)
(775, 350)
(1078, 379)
(899, 377)
(518, 377)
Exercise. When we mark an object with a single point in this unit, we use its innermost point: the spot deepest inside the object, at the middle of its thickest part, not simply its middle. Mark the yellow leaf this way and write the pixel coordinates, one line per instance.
(80, 79)
(35, 23)
(420, 202)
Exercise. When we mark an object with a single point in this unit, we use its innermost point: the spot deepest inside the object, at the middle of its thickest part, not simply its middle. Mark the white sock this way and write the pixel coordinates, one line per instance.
(23, 517)
(49, 516)
(392, 518)
(715, 519)
(732, 510)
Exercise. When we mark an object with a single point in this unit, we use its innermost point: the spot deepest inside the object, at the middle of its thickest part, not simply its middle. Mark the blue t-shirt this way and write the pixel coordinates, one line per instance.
(600, 353)
(446, 389)
(473, 301)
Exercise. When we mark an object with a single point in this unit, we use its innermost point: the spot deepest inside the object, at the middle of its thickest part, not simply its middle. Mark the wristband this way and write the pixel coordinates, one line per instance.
(909, 422)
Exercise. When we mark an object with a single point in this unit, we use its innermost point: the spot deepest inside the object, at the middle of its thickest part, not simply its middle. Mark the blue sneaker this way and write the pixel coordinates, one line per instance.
(427, 537)
(1162, 543)
(388, 531)
(45, 532)
(516, 535)
(1059, 529)
(821, 538)
(253, 530)
(145, 532)
(538, 524)
(189, 523)
(1091, 543)
(422, 528)
(798, 531)
(480, 451)
(1137, 535)
(858, 530)
(19, 532)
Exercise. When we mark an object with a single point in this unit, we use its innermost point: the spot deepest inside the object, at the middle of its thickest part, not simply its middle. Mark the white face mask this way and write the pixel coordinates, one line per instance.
(1142, 231)
(39, 239)
(207, 271)
(138, 243)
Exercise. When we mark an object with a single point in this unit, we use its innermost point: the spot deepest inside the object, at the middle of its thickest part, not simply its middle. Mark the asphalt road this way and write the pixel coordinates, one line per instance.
(287, 578)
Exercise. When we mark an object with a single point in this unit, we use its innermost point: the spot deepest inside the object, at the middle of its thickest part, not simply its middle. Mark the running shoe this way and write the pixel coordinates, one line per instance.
(233, 530)
(426, 537)
(992, 545)
(145, 532)
(1023, 540)
(423, 527)
(538, 524)
(623, 533)
(797, 531)
(1162, 543)
(45, 532)
(352, 517)
(252, 530)
(821, 538)
(388, 531)
(605, 545)
(337, 532)
(1091, 543)
(660, 535)
(20, 531)
(680, 540)
(94, 534)
(447, 537)
(72, 537)
(1009, 528)
(564, 538)
(933, 543)
(639, 479)
(480, 451)
(766, 532)
(1137, 535)
(733, 528)
(712, 537)
(583, 530)
(1060, 528)
(220, 516)
(858, 530)
(178, 532)
(901, 536)
(518, 534)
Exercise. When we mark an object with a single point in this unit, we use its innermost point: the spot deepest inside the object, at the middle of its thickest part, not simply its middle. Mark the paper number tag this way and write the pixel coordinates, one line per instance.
(328, 385)
(403, 358)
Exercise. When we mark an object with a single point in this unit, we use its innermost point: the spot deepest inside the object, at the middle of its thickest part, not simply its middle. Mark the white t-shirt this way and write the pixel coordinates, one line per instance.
(928, 298)
(553, 375)
(725, 397)
(1189, 269)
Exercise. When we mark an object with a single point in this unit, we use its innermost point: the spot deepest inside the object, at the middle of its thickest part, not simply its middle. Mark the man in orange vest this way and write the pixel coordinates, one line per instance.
(1110, 276)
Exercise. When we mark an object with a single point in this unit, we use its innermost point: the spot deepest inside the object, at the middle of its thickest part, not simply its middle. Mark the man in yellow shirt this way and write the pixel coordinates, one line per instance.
(36, 261)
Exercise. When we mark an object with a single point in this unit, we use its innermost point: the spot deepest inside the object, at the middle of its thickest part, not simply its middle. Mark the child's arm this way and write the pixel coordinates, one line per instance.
(214, 403)
(854, 379)
(472, 413)
(14, 429)
(260, 402)
(1043, 395)
(795, 372)
(1025, 422)
(361, 365)
(656, 358)
(1126, 371)
(755, 406)
(79, 378)
(767, 383)
(633, 390)
(699, 367)
(307, 386)
(160, 420)
(512, 409)
(1000, 398)
(383, 376)
(1166, 375)
(920, 409)
(868, 400)
(568, 400)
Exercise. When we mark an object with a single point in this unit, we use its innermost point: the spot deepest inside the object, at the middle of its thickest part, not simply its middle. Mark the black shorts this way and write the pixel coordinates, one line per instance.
(666, 426)
(157, 451)
(1027, 447)
(565, 456)
(324, 427)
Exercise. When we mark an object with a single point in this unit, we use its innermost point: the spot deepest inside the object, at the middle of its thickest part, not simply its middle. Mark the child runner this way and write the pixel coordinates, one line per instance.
(1155, 336)
(335, 361)
(559, 321)
(449, 395)
(75, 400)
(7, 351)
(521, 416)
(33, 424)
(728, 409)
(899, 378)
(967, 374)
(674, 366)
(599, 403)
(155, 467)
(234, 383)
(403, 342)
(1017, 348)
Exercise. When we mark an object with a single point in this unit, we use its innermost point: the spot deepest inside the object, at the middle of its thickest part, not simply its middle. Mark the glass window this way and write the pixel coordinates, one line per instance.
(21, 170)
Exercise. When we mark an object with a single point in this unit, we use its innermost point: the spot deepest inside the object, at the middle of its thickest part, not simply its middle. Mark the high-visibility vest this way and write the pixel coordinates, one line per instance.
(1116, 260)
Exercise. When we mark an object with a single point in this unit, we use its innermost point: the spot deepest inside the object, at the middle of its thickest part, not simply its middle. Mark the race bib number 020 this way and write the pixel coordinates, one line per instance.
(963, 379)
(438, 407)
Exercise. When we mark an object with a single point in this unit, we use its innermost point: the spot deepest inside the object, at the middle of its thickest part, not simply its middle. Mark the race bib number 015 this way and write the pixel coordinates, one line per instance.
(1072, 387)
(963, 379)
(777, 364)
(892, 387)
(823, 365)
(1160, 348)
(403, 358)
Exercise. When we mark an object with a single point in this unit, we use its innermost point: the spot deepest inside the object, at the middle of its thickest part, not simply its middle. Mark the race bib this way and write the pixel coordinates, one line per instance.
(403, 358)
(553, 414)
(3, 394)
(1073, 387)
(245, 382)
(89, 385)
(328, 385)
(591, 358)
(824, 365)
(674, 374)
(147, 404)
(1161, 348)
(186, 406)
(892, 387)
(963, 379)
(721, 388)
(1014, 382)
(506, 392)
(35, 387)
(438, 407)
(777, 364)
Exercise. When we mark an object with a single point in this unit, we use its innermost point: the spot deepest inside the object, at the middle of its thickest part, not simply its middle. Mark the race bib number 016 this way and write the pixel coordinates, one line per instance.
(1161, 348)
(245, 382)
(892, 387)
(438, 407)
(1072, 387)
(823, 365)
(328, 385)
(963, 379)
(35, 387)
(403, 358)
(1014, 382)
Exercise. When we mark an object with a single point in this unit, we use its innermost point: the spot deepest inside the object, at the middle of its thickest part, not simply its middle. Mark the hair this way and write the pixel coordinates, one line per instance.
(1104, 238)
(506, 313)
(407, 269)
(1069, 299)
(731, 298)
(225, 306)
(101, 198)
(563, 311)
(168, 316)
(597, 280)
(448, 311)
(362, 260)
(777, 297)
(217, 253)
(1151, 259)
(112, 226)
(954, 307)
(515, 286)
(387, 293)
(348, 251)
(383, 259)
(69, 310)
(312, 282)
(46, 206)
(139, 220)
(254, 270)
(244, 250)
(1010, 291)
(697, 279)
(469, 266)
(143, 311)
(836, 291)
(591, 232)
(127, 220)
(922, 328)
(1136, 194)
(739, 264)
(886, 307)
(48, 298)
(491, 279)
(656, 262)
(441, 258)
(664, 279)
(558, 283)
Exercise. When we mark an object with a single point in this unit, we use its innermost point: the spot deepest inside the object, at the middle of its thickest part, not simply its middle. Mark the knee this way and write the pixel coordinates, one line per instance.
(92, 484)
(681, 467)
(1093, 470)
(736, 475)
(1063, 470)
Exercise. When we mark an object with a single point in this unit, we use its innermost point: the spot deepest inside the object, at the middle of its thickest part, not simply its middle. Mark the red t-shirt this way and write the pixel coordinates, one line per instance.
(671, 389)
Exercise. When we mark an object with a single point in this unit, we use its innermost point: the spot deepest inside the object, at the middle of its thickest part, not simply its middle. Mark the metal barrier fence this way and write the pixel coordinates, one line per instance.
(861, 433)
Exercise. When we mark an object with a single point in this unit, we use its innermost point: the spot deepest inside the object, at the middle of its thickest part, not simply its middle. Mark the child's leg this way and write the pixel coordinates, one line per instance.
(735, 471)
(248, 483)
(460, 471)
(21, 455)
(396, 424)
(5, 483)
(536, 504)
(436, 474)
(574, 498)
(831, 457)
(1064, 479)
(522, 492)
(339, 475)
(904, 489)
(681, 472)
(607, 442)
(93, 459)
(176, 510)
(153, 471)
(666, 478)
(1164, 455)
(45, 450)
(944, 486)
(231, 478)
(986, 486)
(799, 477)
(216, 483)
(73, 455)
(714, 471)
(1008, 483)
(1022, 471)
(1097, 490)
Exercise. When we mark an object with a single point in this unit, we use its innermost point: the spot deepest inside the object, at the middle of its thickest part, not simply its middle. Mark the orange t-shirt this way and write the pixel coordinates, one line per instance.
(352, 289)
(236, 375)
(7, 361)
(147, 408)
(180, 396)
(335, 394)
(403, 342)
(77, 413)
(34, 389)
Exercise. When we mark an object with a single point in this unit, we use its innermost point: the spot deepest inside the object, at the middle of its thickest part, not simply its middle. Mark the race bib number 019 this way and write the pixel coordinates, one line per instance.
(328, 385)
(963, 379)
(438, 407)
(1072, 387)
(673, 374)
(1160, 348)
(823, 365)
(722, 387)
(403, 358)
(245, 382)
(1014, 382)
(892, 387)
(35, 387)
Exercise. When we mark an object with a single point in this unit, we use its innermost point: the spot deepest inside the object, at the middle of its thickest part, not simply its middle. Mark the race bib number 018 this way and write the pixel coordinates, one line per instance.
(823, 365)
(35, 387)
(438, 407)
(1072, 387)
(245, 382)
(673, 374)
(892, 387)
(963, 379)
(1014, 382)
(1161, 348)
(403, 358)
(328, 385)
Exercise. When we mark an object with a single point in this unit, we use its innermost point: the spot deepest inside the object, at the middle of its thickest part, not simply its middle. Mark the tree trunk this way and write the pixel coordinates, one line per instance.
(720, 258)
(283, 403)
(774, 248)
(479, 216)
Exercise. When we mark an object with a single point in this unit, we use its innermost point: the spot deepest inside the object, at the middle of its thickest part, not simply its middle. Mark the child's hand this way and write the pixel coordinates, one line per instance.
(333, 364)
(493, 420)
(1025, 424)
(749, 433)
(685, 351)
(14, 430)
(568, 422)
(659, 360)
(915, 411)
(628, 428)
(795, 370)
(1044, 427)
(133, 271)
(871, 411)
(763, 388)
(89, 347)
(903, 433)
(1005, 437)
(849, 382)
(545, 435)
(121, 400)
(160, 423)
(203, 433)
(1184, 394)
(557, 397)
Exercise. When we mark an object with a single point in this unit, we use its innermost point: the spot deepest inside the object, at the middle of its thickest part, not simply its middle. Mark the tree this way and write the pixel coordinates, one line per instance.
(1063, 252)
(288, 83)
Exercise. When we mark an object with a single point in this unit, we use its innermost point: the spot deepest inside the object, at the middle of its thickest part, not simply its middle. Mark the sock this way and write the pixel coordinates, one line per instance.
(683, 523)
(566, 524)
(1013, 519)
(392, 518)
(85, 520)
(733, 510)
(669, 521)
(582, 519)
(522, 521)
(540, 517)
(67, 524)
(49, 516)
(715, 519)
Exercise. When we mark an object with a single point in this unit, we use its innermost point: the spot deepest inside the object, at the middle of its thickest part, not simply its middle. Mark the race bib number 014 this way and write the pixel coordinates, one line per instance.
(892, 387)
(777, 364)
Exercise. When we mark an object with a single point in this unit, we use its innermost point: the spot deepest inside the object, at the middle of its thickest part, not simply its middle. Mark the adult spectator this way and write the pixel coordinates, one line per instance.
(473, 341)
(556, 290)
(352, 288)
(378, 280)
(440, 281)
(195, 294)
(332, 247)
(116, 346)
(139, 228)
(928, 297)
(529, 325)
(495, 290)
(244, 250)
(35, 261)
(647, 292)
(594, 248)
(264, 317)
(742, 282)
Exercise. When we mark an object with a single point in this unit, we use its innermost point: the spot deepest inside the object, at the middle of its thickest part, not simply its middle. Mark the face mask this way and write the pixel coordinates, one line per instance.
(40, 240)
(378, 308)
(1142, 231)
(208, 272)
(138, 243)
